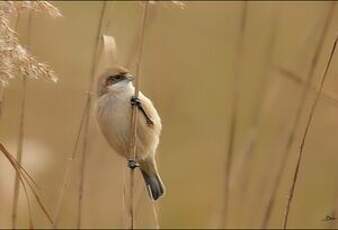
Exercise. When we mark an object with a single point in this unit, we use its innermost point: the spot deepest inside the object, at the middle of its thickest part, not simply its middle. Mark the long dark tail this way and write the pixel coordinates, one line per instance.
(152, 179)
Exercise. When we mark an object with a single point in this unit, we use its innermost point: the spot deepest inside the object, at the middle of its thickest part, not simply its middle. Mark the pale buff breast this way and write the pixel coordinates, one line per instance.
(114, 114)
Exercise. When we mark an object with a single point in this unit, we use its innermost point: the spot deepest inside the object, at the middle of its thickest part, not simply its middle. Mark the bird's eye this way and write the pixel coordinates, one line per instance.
(110, 80)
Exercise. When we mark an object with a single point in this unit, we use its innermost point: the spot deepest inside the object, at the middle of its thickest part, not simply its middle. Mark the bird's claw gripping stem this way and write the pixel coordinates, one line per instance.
(132, 164)
(135, 101)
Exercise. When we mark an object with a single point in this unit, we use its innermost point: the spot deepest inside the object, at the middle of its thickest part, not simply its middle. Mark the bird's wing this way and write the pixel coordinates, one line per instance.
(150, 112)
(147, 136)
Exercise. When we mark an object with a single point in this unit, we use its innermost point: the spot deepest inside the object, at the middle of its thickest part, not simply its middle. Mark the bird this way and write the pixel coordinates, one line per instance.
(115, 98)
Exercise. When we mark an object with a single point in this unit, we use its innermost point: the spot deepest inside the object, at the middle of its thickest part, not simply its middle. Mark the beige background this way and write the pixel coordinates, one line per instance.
(187, 70)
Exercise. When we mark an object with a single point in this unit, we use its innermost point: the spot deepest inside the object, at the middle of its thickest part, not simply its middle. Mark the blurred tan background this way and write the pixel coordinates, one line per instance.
(187, 70)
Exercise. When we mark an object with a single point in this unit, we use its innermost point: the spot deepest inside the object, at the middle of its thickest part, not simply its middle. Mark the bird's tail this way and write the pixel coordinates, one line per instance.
(152, 178)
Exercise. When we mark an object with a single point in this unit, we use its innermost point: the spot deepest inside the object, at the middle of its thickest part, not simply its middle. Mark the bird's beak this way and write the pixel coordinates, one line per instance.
(130, 77)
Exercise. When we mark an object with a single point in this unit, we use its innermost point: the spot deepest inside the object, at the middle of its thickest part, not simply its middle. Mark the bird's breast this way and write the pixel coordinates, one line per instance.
(113, 116)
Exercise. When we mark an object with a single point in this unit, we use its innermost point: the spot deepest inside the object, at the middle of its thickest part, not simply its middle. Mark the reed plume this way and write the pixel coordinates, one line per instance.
(18, 61)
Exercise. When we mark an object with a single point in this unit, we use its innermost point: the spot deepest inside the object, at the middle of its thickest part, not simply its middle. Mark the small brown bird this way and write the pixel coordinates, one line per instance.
(115, 98)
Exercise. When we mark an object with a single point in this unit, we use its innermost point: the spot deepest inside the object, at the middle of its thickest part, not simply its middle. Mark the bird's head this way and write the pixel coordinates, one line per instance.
(113, 80)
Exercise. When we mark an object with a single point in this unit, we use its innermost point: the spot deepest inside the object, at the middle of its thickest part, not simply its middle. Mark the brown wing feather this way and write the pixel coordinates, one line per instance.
(147, 136)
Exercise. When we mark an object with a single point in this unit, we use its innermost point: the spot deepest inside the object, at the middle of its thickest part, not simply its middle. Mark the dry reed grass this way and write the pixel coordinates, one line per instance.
(234, 114)
(28, 183)
(68, 170)
(84, 126)
(89, 103)
(132, 142)
(133, 131)
(306, 133)
(17, 61)
(21, 130)
(266, 93)
(242, 171)
(82, 131)
(332, 97)
(14, 58)
(295, 124)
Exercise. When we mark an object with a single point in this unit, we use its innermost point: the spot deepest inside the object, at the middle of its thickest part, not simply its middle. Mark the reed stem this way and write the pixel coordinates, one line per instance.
(87, 117)
(234, 115)
(133, 133)
(295, 125)
(305, 135)
(21, 130)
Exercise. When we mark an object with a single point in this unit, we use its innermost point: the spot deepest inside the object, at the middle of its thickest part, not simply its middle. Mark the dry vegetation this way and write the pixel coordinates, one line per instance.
(16, 60)
(239, 167)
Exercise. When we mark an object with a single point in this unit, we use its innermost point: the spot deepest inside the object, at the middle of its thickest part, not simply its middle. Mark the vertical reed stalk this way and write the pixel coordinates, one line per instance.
(84, 117)
(19, 152)
(234, 114)
(132, 55)
(21, 176)
(135, 47)
(264, 97)
(66, 177)
(87, 117)
(21, 131)
(154, 209)
(1, 99)
(265, 94)
(133, 133)
(24, 178)
(305, 135)
(296, 122)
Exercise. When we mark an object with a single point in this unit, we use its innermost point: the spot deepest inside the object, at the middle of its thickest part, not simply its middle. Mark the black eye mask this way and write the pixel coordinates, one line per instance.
(114, 79)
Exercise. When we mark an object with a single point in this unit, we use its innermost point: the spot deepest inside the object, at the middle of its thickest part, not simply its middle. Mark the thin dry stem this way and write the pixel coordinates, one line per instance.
(305, 135)
(154, 208)
(19, 153)
(331, 96)
(134, 47)
(87, 118)
(21, 131)
(124, 200)
(15, 59)
(234, 114)
(296, 122)
(155, 212)
(133, 133)
(24, 178)
(18, 171)
(66, 179)
(1, 99)
(82, 129)
(265, 95)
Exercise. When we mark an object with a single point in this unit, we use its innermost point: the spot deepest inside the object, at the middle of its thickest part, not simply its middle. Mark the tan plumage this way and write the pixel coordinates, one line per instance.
(113, 113)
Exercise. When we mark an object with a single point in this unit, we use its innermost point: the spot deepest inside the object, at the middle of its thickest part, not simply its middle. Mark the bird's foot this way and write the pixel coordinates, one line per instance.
(135, 101)
(132, 164)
